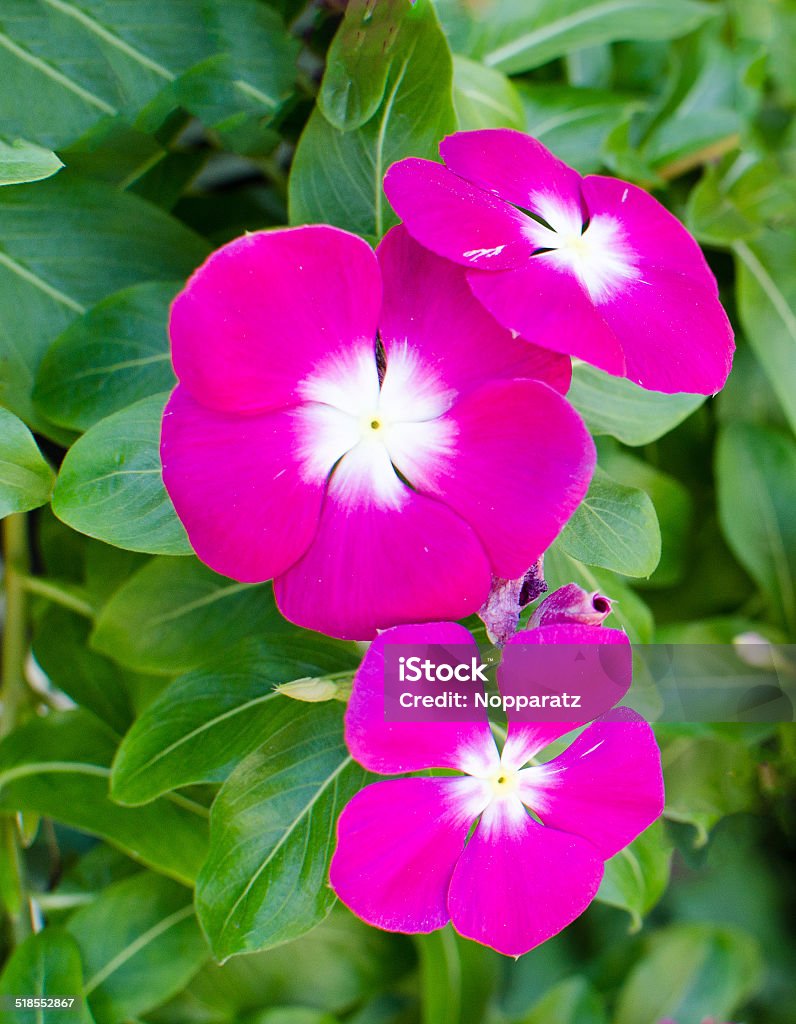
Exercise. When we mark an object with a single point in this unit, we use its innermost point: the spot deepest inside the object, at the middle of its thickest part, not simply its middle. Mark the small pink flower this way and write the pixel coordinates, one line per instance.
(542, 832)
(570, 605)
(377, 482)
(596, 268)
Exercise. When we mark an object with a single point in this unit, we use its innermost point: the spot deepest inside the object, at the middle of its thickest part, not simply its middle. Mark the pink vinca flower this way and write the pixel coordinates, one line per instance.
(542, 833)
(361, 431)
(594, 267)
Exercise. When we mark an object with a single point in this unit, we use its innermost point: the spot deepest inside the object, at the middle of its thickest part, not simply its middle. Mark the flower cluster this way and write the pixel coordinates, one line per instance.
(383, 434)
(404, 861)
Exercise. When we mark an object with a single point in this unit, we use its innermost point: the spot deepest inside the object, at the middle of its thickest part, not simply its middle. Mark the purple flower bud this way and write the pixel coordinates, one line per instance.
(571, 604)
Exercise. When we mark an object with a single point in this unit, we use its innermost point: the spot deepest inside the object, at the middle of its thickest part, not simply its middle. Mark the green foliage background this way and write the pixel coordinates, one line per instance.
(145, 753)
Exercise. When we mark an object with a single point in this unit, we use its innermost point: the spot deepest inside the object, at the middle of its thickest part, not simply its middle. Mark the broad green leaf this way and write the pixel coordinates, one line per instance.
(691, 972)
(614, 527)
(337, 176)
(26, 481)
(175, 614)
(334, 968)
(707, 778)
(206, 722)
(484, 98)
(636, 877)
(140, 943)
(67, 65)
(756, 475)
(617, 406)
(59, 766)
(110, 484)
(515, 35)
(46, 964)
(60, 645)
(673, 507)
(64, 245)
(574, 123)
(114, 355)
(572, 1001)
(292, 1015)
(23, 161)
(766, 292)
(240, 89)
(629, 611)
(272, 833)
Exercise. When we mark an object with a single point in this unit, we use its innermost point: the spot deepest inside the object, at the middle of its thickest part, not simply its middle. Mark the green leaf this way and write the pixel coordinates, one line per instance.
(629, 611)
(26, 480)
(110, 484)
(334, 967)
(64, 245)
(484, 97)
(707, 778)
(175, 614)
(458, 978)
(673, 507)
(45, 964)
(614, 527)
(240, 89)
(617, 406)
(114, 355)
(59, 766)
(66, 66)
(23, 161)
(636, 877)
(756, 474)
(60, 645)
(570, 1002)
(516, 36)
(202, 726)
(358, 63)
(140, 944)
(272, 832)
(574, 123)
(691, 972)
(766, 292)
(337, 176)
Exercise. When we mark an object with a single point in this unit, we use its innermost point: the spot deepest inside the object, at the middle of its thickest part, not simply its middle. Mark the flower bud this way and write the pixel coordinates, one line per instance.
(571, 604)
(315, 691)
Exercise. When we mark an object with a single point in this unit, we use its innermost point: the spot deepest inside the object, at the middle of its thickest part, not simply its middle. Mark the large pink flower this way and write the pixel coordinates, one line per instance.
(361, 431)
(535, 858)
(593, 267)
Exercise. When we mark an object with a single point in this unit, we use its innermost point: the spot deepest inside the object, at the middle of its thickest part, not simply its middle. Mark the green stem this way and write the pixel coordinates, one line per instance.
(15, 639)
(14, 694)
(58, 594)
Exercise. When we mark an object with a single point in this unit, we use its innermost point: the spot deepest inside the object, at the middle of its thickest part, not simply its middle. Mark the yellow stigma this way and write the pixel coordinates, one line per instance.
(373, 426)
(504, 782)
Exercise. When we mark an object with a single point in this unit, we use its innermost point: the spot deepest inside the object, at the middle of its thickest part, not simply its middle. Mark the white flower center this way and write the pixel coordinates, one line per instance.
(599, 255)
(368, 432)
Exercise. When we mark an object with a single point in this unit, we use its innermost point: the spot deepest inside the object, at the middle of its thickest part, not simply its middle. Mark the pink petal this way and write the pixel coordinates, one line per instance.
(237, 488)
(397, 845)
(255, 319)
(550, 307)
(518, 883)
(427, 301)
(523, 463)
(655, 234)
(513, 166)
(455, 219)
(395, 747)
(674, 332)
(373, 565)
(606, 787)
(526, 739)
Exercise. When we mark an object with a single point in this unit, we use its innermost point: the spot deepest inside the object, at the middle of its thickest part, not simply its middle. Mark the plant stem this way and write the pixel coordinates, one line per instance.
(14, 695)
(58, 594)
(15, 646)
